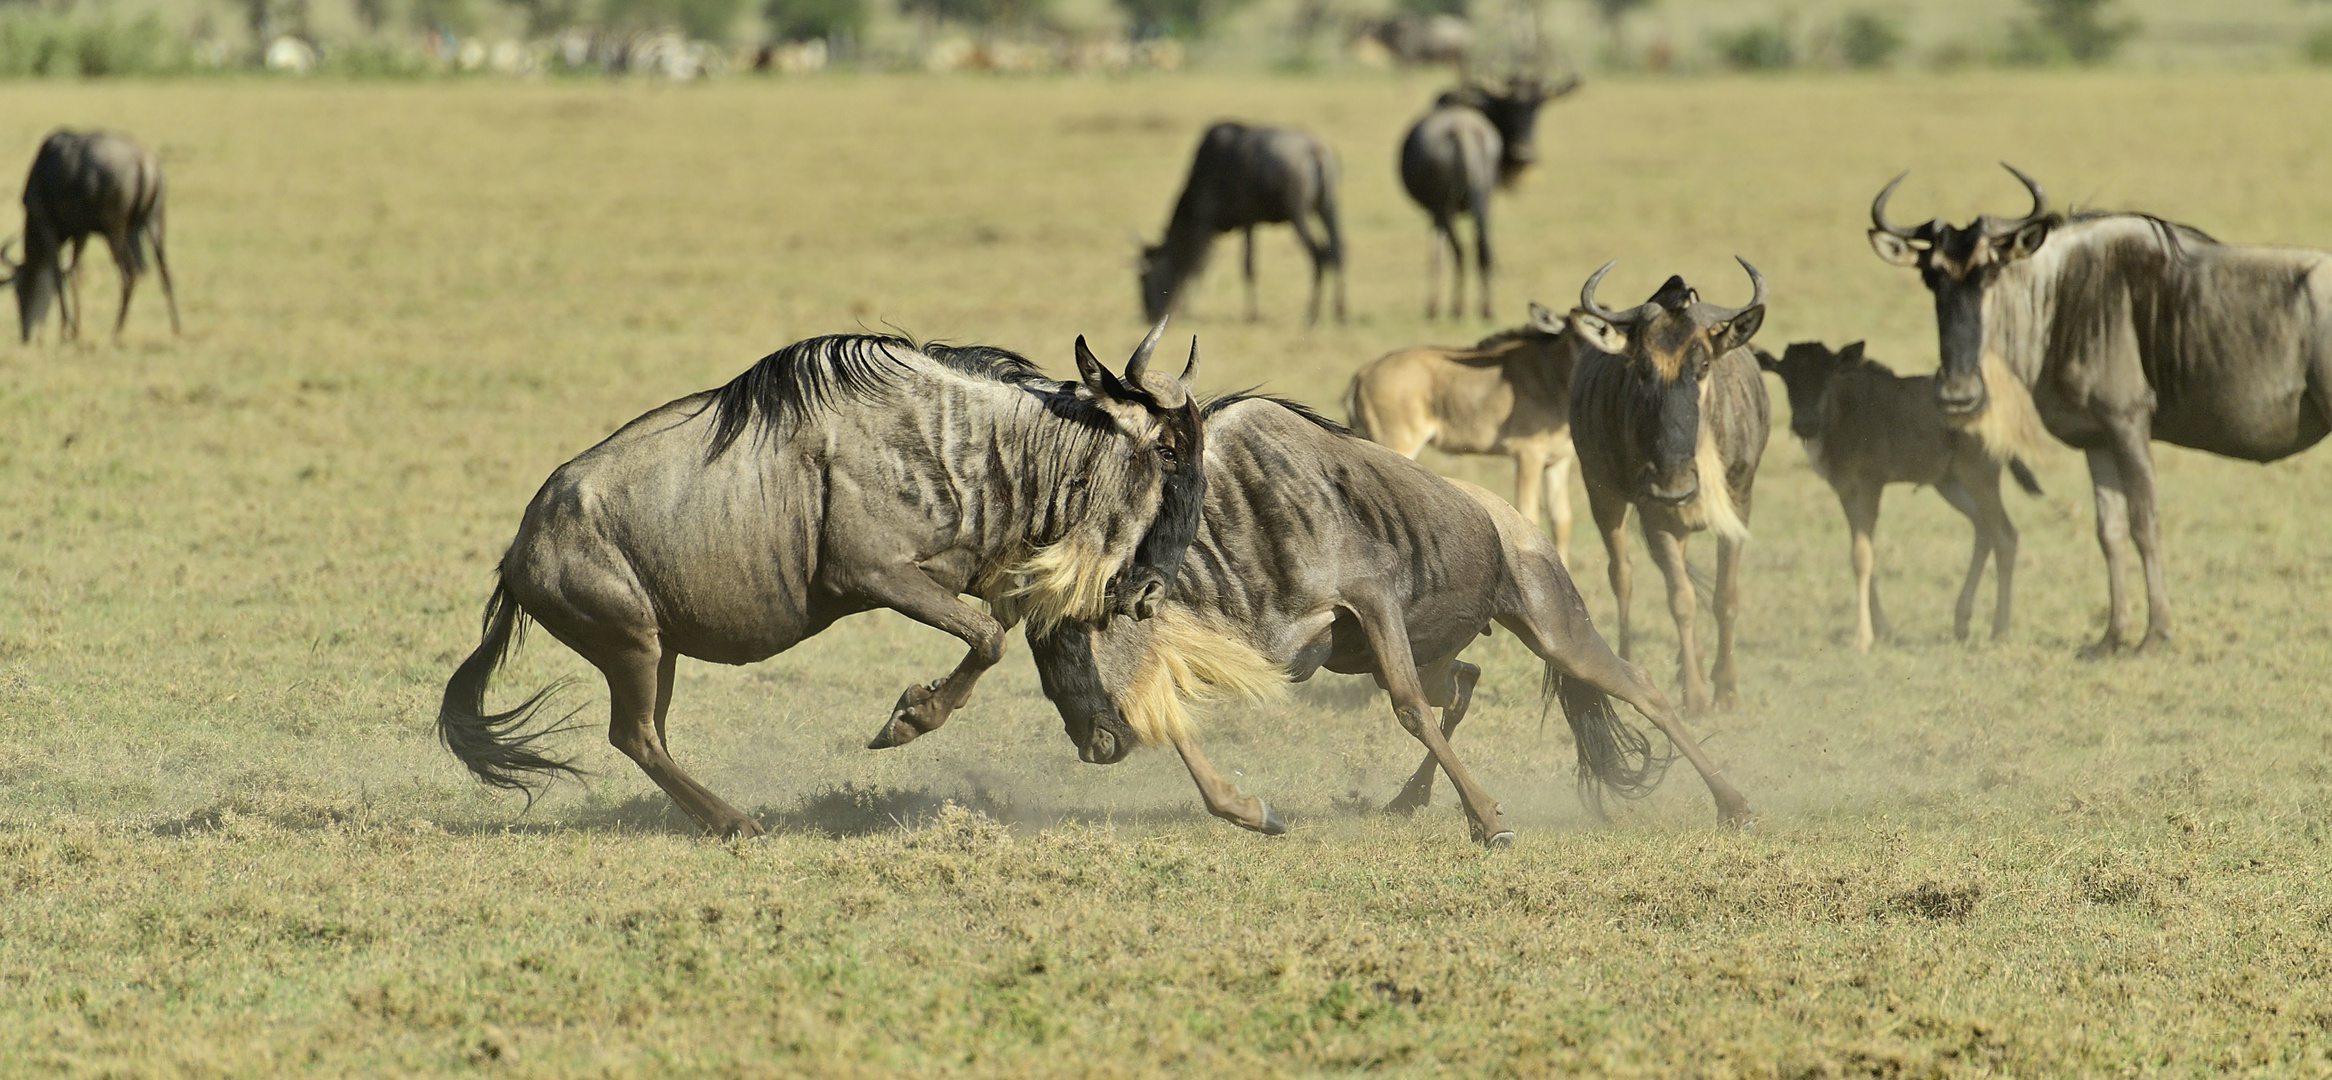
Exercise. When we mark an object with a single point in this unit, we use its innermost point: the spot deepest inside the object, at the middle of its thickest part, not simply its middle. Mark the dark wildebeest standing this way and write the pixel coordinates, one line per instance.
(838, 475)
(1509, 394)
(1670, 419)
(2112, 330)
(1475, 139)
(1320, 549)
(87, 183)
(1866, 427)
(1243, 177)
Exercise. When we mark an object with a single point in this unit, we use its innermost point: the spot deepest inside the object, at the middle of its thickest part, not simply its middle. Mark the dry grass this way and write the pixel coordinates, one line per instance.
(235, 570)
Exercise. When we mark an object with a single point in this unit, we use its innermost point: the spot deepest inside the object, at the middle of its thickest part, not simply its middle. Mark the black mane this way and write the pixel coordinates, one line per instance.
(1216, 405)
(816, 374)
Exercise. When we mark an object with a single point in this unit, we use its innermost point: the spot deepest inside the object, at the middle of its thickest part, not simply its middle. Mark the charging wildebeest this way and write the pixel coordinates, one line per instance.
(1321, 549)
(837, 475)
(2112, 330)
(1670, 419)
(1475, 139)
(1242, 177)
(1509, 394)
(86, 183)
(1866, 427)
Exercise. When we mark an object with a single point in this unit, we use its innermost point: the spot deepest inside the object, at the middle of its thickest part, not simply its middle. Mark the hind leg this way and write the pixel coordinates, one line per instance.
(1955, 492)
(69, 297)
(1433, 270)
(1247, 263)
(1557, 481)
(123, 257)
(1449, 686)
(1396, 667)
(162, 263)
(2113, 536)
(639, 690)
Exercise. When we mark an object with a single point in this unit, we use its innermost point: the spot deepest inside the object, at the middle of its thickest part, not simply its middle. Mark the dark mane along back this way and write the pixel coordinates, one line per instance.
(813, 375)
(1217, 405)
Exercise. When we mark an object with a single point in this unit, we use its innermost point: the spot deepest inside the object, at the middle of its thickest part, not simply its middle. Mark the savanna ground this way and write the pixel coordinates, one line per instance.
(237, 568)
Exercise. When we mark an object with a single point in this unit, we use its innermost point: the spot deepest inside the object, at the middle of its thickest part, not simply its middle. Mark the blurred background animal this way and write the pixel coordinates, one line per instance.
(1242, 177)
(1865, 427)
(1670, 418)
(1509, 394)
(83, 184)
(1475, 139)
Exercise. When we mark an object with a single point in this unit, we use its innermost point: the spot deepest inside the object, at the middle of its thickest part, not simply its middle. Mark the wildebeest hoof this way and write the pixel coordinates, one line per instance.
(1503, 838)
(2155, 643)
(743, 828)
(2101, 648)
(1272, 825)
(1409, 801)
(904, 725)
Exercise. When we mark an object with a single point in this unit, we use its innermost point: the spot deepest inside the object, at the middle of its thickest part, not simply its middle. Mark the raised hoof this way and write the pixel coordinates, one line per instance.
(906, 723)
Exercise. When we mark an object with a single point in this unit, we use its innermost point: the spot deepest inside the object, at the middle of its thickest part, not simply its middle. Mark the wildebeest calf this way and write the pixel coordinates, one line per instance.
(86, 183)
(1866, 427)
(1508, 394)
(1242, 177)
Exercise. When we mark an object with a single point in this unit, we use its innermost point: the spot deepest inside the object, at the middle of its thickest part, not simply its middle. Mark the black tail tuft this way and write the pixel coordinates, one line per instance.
(2023, 475)
(498, 747)
(1612, 754)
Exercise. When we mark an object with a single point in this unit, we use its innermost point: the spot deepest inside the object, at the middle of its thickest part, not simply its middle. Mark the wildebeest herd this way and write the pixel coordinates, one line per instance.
(1160, 547)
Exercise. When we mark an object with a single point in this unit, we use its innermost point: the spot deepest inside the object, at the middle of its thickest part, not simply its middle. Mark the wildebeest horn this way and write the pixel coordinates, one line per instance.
(1756, 286)
(2040, 199)
(1190, 370)
(1878, 208)
(1587, 296)
(1141, 359)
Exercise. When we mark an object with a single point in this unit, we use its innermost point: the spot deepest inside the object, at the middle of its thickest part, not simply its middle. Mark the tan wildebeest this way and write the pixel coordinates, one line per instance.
(1865, 427)
(1322, 550)
(1509, 394)
(1670, 420)
(2112, 330)
(838, 475)
(83, 184)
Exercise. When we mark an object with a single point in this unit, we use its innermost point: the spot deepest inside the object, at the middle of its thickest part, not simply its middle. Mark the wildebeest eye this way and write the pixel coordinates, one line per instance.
(1167, 452)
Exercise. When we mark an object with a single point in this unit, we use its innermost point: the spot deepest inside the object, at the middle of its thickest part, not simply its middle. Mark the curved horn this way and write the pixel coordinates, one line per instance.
(1756, 285)
(1587, 296)
(2040, 199)
(1878, 208)
(1190, 370)
(1141, 357)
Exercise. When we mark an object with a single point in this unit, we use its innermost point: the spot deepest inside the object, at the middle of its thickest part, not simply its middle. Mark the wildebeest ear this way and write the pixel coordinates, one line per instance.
(1097, 378)
(1741, 328)
(2023, 242)
(1851, 355)
(1544, 321)
(1893, 248)
(1598, 332)
(1766, 361)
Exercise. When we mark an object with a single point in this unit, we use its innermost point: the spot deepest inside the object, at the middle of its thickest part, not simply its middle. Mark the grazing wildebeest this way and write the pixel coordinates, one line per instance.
(1243, 177)
(1670, 419)
(2112, 330)
(1509, 394)
(1866, 427)
(837, 475)
(1475, 139)
(1320, 549)
(86, 183)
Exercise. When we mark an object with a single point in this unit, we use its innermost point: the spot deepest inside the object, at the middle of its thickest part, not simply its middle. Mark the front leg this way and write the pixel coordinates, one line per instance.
(1449, 687)
(1611, 519)
(1728, 606)
(2113, 536)
(923, 708)
(1222, 799)
(1247, 242)
(1668, 552)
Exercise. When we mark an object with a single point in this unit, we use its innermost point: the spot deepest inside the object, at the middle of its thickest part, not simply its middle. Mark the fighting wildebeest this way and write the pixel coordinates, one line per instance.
(2112, 330)
(1242, 177)
(1670, 419)
(86, 183)
(1509, 394)
(1865, 427)
(1320, 549)
(1475, 139)
(837, 475)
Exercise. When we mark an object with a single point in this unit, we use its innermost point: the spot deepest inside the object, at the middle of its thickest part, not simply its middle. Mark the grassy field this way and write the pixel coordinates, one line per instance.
(236, 568)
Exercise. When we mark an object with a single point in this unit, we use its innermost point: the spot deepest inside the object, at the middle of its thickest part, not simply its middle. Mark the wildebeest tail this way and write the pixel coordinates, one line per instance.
(1613, 755)
(2023, 475)
(499, 748)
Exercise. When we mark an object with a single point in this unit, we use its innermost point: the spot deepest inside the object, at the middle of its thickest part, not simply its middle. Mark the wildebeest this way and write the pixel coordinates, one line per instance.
(1320, 549)
(86, 183)
(2112, 330)
(1670, 419)
(1242, 177)
(1508, 394)
(1414, 39)
(1866, 427)
(837, 475)
(1475, 139)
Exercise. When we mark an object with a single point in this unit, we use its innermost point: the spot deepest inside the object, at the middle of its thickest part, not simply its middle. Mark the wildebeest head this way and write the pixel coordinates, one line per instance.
(1959, 263)
(1514, 112)
(1669, 344)
(34, 289)
(1156, 275)
(1162, 414)
(1805, 369)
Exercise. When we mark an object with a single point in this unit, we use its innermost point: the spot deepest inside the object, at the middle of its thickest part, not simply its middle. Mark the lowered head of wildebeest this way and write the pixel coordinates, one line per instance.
(1669, 343)
(1514, 112)
(1959, 265)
